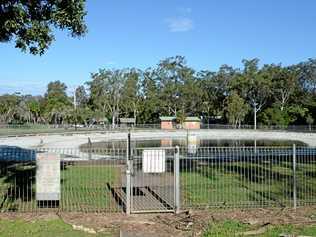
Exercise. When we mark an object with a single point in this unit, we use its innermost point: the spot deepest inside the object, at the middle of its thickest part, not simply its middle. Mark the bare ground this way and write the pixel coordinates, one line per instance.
(190, 223)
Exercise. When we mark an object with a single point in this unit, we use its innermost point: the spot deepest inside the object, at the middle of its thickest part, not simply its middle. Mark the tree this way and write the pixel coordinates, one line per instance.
(307, 81)
(307, 75)
(81, 97)
(236, 109)
(57, 103)
(131, 99)
(8, 104)
(106, 89)
(253, 86)
(150, 105)
(191, 93)
(170, 82)
(34, 107)
(284, 83)
(216, 87)
(30, 23)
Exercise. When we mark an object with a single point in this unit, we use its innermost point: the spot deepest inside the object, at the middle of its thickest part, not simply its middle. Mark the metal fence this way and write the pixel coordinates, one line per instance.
(94, 180)
(87, 179)
(248, 177)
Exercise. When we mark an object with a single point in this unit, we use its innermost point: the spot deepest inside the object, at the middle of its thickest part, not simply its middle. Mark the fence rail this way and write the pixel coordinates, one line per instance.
(209, 177)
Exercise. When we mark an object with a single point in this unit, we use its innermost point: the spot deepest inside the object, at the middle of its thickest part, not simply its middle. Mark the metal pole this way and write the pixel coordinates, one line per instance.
(90, 148)
(128, 192)
(128, 175)
(75, 107)
(177, 180)
(294, 178)
(129, 145)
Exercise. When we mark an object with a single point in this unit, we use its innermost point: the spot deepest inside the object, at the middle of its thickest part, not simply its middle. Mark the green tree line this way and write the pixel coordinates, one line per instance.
(270, 94)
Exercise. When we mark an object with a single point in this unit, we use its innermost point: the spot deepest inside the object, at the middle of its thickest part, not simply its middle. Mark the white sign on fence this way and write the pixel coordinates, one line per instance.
(154, 161)
(47, 177)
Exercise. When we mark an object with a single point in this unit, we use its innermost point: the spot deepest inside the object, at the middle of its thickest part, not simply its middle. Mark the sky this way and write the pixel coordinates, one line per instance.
(140, 33)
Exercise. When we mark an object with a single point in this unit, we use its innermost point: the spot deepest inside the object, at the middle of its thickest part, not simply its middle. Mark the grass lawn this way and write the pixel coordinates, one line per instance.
(237, 184)
(241, 184)
(45, 228)
(234, 228)
(83, 188)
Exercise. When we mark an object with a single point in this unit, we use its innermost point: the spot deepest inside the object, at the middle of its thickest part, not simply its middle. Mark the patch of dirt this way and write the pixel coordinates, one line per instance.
(273, 216)
(30, 217)
(190, 223)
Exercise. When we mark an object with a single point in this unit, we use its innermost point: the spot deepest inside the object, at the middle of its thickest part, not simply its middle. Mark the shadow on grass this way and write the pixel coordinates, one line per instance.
(17, 176)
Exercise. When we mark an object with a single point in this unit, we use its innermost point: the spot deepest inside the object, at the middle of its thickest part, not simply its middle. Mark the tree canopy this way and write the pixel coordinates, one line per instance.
(31, 23)
(270, 94)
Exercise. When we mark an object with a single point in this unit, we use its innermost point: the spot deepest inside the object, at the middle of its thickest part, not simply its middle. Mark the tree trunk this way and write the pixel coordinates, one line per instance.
(135, 117)
(113, 120)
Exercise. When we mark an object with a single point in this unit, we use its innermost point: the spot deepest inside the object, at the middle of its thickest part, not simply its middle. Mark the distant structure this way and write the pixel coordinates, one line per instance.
(167, 122)
(166, 142)
(100, 121)
(127, 122)
(192, 123)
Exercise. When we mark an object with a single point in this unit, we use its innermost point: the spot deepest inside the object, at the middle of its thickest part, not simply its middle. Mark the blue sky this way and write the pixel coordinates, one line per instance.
(139, 33)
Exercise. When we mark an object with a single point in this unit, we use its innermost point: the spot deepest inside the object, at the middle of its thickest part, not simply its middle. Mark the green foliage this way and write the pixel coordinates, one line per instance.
(131, 97)
(150, 99)
(236, 108)
(278, 95)
(57, 103)
(276, 116)
(107, 89)
(30, 23)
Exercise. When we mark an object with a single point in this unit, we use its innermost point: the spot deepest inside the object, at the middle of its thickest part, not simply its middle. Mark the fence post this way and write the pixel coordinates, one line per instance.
(177, 179)
(89, 148)
(128, 174)
(294, 177)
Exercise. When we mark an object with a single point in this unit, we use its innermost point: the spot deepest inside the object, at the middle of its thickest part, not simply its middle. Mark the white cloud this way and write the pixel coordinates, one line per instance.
(179, 24)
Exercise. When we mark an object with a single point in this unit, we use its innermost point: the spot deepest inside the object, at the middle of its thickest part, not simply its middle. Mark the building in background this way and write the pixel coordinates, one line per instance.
(127, 122)
(167, 122)
(192, 123)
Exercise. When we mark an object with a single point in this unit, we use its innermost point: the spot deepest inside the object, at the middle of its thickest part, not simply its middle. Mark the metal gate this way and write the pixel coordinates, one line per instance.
(153, 180)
